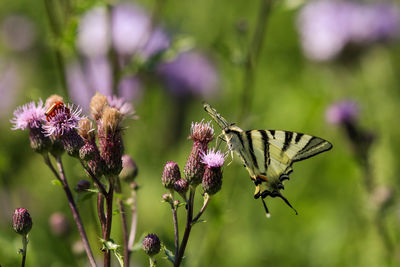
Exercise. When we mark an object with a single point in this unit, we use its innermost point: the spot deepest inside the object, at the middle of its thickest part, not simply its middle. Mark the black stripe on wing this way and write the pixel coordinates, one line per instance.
(251, 149)
(313, 147)
(267, 159)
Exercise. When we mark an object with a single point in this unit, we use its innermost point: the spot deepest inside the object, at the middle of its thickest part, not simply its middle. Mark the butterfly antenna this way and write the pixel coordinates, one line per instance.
(287, 202)
(267, 214)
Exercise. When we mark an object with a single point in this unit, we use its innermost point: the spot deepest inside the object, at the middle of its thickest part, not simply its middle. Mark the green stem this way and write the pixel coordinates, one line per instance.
(132, 233)
(24, 249)
(124, 224)
(109, 211)
(253, 56)
(189, 224)
(153, 262)
(176, 229)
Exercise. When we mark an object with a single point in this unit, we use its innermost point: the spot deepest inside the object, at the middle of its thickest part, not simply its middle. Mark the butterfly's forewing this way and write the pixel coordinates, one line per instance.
(275, 151)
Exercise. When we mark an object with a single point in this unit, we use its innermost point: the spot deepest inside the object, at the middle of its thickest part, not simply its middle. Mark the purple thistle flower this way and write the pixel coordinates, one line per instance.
(213, 159)
(201, 132)
(65, 120)
(29, 116)
(191, 73)
(157, 42)
(125, 108)
(342, 112)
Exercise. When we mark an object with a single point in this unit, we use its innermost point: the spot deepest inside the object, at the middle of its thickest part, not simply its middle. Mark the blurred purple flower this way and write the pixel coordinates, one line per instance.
(157, 42)
(130, 88)
(18, 33)
(65, 120)
(125, 108)
(190, 73)
(213, 159)
(78, 87)
(327, 27)
(29, 116)
(99, 75)
(130, 28)
(342, 112)
(94, 34)
(10, 85)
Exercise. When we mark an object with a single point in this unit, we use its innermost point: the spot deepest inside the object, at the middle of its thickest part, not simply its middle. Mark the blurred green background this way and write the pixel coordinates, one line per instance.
(336, 225)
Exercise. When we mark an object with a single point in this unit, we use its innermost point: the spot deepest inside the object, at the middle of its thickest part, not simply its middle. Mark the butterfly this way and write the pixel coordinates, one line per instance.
(268, 155)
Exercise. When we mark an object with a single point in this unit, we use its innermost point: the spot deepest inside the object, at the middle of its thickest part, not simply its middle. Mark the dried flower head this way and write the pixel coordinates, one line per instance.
(201, 132)
(129, 169)
(86, 129)
(151, 244)
(111, 120)
(97, 105)
(170, 174)
(29, 116)
(53, 99)
(22, 221)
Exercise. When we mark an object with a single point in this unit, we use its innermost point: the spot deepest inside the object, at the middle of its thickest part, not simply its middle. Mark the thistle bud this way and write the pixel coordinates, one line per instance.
(38, 141)
(21, 221)
(170, 174)
(151, 244)
(201, 134)
(129, 169)
(167, 197)
(212, 178)
(181, 186)
(85, 129)
(72, 142)
(110, 140)
(97, 105)
(82, 185)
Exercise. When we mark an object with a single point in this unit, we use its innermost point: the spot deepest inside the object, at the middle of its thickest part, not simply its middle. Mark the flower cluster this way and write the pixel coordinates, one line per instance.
(202, 167)
(327, 28)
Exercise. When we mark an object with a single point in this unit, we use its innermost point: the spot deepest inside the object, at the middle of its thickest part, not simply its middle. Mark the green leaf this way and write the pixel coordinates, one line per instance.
(199, 221)
(113, 247)
(83, 196)
(138, 245)
(168, 253)
(56, 182)
(93, 190)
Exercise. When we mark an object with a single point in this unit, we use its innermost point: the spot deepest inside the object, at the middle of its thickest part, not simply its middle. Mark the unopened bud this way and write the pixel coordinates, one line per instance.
(170, 174)
(82, 185)
(151, 244)
(22, 221)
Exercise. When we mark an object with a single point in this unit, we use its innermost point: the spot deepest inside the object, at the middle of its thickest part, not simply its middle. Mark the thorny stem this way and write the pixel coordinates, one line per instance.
(24, 249)
(253, 55)
(124, 224)
(106, 234)
(94, 178)
(176, 229)
(75, 213)
(57, 32)
(179, 256)
(133, 220)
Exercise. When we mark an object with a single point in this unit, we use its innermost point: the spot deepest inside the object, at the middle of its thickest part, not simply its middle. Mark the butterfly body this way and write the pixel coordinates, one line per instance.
(268, 155)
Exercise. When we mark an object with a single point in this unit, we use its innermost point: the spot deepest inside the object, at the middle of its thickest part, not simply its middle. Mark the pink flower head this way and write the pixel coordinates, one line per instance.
(65, 119)
(124, 107)
(29, 116)
(213, 159)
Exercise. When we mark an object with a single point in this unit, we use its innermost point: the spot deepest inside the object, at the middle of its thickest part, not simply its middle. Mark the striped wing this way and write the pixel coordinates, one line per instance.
(273, 152)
